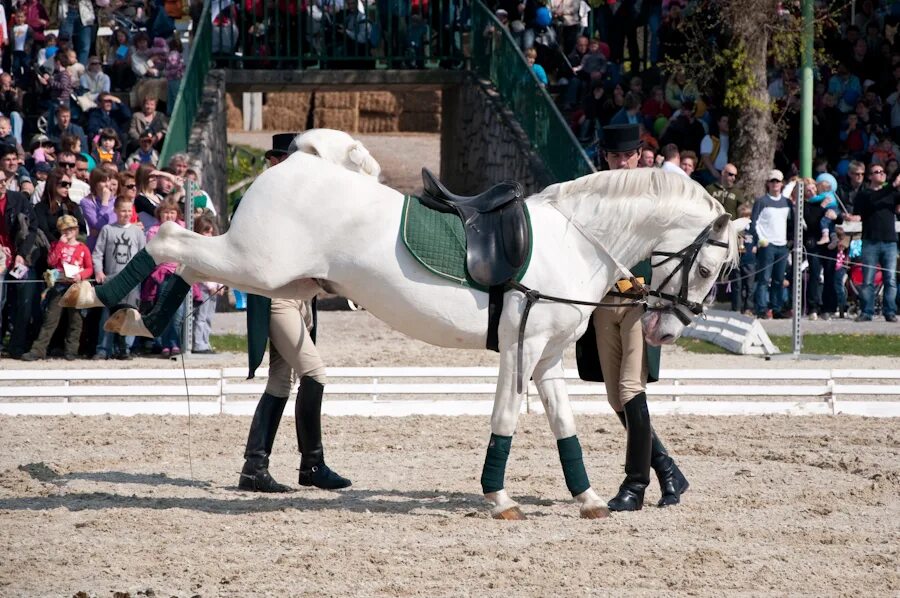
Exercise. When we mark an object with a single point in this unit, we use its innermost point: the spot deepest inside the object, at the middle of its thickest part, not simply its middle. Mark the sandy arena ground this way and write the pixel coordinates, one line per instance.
(778, 505)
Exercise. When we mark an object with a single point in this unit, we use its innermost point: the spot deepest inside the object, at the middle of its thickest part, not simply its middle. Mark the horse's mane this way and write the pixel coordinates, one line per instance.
(674, 198)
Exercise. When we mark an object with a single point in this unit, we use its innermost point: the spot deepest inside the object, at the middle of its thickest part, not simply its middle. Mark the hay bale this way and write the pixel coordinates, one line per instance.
(374, 122)
(283, 119)
(335, 118)
(424, 122)
(234, 116)
(337, 99)
(383, 102)
(295, 101)
(421, 101)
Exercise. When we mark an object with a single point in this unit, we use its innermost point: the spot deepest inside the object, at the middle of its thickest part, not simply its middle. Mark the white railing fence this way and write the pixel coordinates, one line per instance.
(398, 391)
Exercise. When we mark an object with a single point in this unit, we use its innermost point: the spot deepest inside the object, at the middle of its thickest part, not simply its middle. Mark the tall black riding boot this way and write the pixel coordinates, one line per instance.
(255, 475)
(637, 457)
(308, 415)
(672, 482)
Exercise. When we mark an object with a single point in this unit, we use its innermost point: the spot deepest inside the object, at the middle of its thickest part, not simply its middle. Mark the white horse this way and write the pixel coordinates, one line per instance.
(309, 225)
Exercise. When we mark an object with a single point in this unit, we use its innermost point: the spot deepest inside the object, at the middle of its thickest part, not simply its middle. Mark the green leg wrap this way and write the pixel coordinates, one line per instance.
(171, 296)
(495, 463)
(116, 288)
(573, 465)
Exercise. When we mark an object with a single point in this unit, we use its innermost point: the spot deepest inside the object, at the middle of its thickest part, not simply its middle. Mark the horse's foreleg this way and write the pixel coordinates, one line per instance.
(505, 416)
(550, 380)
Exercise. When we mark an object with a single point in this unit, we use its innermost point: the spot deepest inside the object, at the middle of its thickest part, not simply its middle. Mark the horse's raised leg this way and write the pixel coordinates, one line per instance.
(550, 380)
(505, 416)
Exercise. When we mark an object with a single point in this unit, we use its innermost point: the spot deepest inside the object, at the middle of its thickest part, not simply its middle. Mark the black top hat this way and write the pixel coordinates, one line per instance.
(621, 138)
(281, 143)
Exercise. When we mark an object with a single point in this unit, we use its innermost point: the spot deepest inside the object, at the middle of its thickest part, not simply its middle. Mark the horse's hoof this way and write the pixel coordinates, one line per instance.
(80, 295)
(510, 514)
(594, 512)
(127, 322)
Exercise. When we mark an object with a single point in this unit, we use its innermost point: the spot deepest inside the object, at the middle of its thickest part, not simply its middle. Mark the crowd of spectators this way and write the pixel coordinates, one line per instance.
(82, 120)
(588, 56)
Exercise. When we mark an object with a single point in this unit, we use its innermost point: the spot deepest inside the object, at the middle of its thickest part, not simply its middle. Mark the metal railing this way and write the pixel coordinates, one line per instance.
(190, 92)
(496, 56)
(364, 34)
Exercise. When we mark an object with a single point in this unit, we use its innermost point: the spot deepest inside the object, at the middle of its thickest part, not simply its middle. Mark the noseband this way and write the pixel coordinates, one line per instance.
(686, 258)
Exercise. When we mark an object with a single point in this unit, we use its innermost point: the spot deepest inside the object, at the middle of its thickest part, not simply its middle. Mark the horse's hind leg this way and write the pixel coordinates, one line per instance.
(549, 377)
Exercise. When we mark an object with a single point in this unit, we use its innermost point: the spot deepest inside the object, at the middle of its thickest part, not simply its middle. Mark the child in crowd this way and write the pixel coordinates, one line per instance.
(116, 244)
(22, 47)
(71, 261)
(167, 211)
(540, 73)
(107, 148)
(204, 295)
(48, 52)
(827, 198)
(741, 278)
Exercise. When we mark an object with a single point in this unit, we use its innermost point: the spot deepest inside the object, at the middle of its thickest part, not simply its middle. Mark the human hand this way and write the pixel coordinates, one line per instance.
(20, 261)
(831, 214)
(753, 250)
(7, 252)
(100, 277)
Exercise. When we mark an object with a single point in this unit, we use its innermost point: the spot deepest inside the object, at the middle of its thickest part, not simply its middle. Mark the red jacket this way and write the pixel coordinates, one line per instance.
(77, 254)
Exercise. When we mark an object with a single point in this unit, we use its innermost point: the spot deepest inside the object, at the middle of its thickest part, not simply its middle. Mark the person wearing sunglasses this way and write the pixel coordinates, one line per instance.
(56, 203)
(876, 207)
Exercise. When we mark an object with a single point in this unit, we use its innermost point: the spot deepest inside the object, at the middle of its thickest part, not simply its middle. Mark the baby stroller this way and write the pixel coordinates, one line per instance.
(854, 281)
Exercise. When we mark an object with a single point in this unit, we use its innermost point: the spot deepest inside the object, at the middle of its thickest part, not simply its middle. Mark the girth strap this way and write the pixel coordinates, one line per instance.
(532, 296)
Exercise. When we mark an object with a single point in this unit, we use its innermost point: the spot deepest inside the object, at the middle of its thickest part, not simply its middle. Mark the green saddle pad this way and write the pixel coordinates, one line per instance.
(438, 242)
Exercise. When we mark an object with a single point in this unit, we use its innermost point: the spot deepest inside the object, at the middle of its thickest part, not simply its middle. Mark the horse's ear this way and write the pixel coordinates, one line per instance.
(740, 224)
(720, 223)
(361, 157)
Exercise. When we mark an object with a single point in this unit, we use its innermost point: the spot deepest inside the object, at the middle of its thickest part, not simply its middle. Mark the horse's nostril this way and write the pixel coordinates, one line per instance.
(667, 338)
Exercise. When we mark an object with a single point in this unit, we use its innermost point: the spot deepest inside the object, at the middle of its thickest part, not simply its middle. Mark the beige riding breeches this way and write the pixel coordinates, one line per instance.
(620, 343)
(291, 350)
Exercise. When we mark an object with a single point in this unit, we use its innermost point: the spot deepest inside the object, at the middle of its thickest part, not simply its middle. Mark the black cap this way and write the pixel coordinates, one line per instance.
(621, 138)
(281, 143)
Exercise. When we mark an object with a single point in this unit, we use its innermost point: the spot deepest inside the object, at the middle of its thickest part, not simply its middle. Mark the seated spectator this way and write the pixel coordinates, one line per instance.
(110, 113)
(81, 180)
(148, 119)
(630, 111)
(59, 85)
(17, 176)
(147, 199)
(6, 134)
(93, 82)
(97, 207)
(118, 60)
(142, 57)
(107, 148)
(174, 71)
(655, 106)
(11, 104)
(63, 125)
(178, 166)
(679, 89)
(714, 152)
(47, 54)
(685, 130)
(144, 154)
(74, 67)
(846, 87)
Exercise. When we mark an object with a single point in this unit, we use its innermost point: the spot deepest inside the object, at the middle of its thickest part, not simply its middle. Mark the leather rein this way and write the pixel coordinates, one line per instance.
(686, 256)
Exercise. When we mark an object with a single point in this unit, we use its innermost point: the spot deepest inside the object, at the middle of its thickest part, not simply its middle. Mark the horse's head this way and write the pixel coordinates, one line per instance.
(339, 148)
(683, 275)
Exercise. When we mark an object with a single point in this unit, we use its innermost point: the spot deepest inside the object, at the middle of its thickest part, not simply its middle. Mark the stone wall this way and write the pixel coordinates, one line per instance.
(208, 143)
(482, 143)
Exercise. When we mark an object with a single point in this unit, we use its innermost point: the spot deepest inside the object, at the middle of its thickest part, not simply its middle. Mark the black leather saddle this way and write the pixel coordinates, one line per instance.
(496, 227)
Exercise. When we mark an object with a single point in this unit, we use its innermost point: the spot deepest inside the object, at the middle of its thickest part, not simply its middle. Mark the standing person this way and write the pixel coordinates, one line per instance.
(98, 207)
(77, 18)
(856, 179)
(724, 191)
(821, 298)
(205, 293)
(627, 364)
(714, 153)
(147, 200)
(71, 261)
(291, 348)
(116, 244)
(769, 223)
(876, 208)
(17, 246)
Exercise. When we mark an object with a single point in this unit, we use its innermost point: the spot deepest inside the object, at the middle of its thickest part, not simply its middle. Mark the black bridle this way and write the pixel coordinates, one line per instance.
(686, 256)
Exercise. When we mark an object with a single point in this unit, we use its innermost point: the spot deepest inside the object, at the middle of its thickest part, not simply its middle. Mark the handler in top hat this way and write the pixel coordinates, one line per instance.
(285, 324)
(615, 340)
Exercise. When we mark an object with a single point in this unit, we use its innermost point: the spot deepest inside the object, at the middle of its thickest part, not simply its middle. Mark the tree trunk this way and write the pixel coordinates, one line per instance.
(754, 135)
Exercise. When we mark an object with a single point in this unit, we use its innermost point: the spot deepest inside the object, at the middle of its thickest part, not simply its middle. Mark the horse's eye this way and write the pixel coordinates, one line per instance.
(705, 272)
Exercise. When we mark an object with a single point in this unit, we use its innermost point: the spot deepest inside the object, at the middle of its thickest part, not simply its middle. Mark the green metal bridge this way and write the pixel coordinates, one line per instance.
(373, 41)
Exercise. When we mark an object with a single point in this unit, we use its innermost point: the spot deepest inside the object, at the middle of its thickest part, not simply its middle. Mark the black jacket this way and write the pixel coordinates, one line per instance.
(878, 212)
(23, 230)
